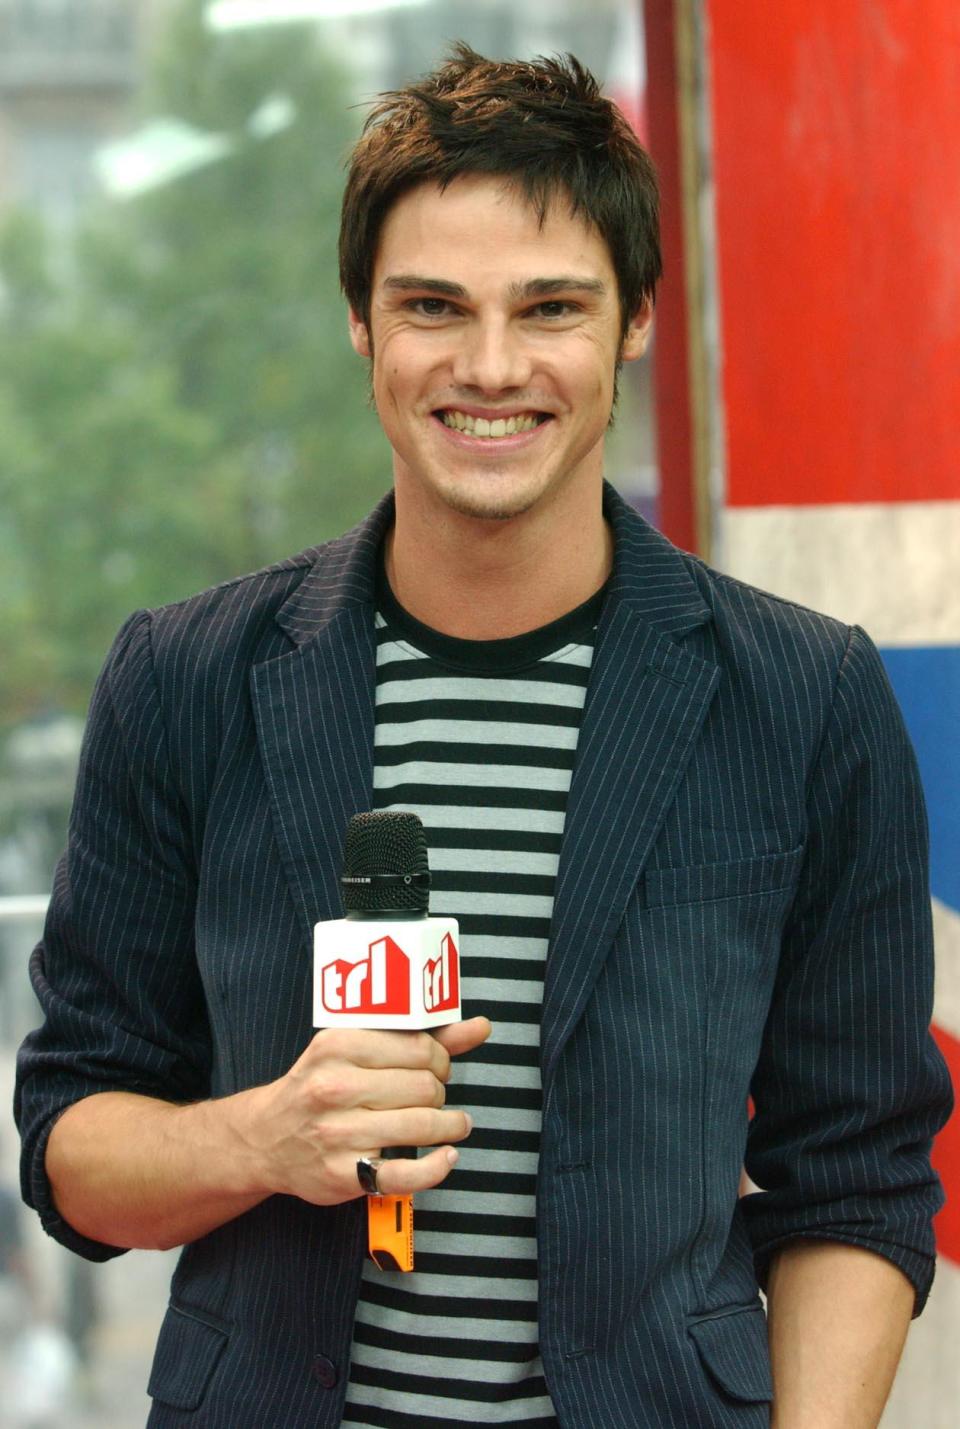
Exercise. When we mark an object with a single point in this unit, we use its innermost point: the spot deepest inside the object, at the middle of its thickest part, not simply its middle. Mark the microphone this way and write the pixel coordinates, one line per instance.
(388, 965)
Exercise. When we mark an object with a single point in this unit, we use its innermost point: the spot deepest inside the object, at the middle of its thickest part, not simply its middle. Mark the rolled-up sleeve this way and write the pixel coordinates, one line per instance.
(115, 972)
(850, 1089)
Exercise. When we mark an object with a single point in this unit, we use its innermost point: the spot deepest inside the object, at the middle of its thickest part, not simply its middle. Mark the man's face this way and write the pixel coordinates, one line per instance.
(494, 344)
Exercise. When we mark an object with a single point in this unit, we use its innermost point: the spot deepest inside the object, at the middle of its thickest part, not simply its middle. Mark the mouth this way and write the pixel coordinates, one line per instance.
(491, 429)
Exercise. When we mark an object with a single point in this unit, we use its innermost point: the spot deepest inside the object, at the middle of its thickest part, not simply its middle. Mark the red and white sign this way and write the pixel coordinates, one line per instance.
(386, 974)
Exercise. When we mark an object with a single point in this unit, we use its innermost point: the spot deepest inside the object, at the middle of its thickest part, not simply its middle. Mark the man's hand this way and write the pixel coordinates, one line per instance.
(351, 1094)
(134, 1171)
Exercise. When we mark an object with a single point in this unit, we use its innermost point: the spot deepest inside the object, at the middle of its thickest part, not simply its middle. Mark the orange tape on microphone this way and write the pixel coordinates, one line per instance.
(390, 1232)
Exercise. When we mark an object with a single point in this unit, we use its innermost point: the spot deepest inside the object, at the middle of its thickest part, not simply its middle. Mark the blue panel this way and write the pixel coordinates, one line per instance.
(927, 683)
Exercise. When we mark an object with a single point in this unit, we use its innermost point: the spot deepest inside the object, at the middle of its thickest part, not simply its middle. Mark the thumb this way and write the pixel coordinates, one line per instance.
(461, 1037)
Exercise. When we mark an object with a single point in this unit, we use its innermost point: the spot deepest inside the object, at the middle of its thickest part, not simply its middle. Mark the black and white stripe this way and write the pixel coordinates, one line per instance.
(479, 739)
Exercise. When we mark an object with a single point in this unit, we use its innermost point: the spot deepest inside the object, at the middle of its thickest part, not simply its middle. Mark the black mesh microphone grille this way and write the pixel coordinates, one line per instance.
(394, 842)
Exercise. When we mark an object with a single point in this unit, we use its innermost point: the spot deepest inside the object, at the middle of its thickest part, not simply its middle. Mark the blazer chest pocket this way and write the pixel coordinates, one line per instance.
(707, 882)
(188, 1350)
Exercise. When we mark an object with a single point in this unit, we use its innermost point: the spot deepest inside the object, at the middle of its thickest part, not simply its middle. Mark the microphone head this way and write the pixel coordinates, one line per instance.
(385, 865)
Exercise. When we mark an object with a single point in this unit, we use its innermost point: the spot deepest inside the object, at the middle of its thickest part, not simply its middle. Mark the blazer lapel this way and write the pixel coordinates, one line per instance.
(646, 703)
(314, 711)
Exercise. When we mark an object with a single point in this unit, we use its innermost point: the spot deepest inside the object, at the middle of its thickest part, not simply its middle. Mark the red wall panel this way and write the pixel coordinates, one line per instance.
(946, 1157)
(837, 153)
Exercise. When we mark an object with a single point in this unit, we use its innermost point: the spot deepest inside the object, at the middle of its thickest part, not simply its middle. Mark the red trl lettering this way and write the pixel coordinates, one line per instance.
(379, 982)
(441, 978)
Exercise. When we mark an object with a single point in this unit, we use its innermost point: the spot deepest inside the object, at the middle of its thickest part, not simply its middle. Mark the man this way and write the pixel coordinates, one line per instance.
(678, 819)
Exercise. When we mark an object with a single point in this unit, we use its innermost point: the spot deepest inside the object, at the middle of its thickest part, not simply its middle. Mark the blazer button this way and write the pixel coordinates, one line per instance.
(324, 1370)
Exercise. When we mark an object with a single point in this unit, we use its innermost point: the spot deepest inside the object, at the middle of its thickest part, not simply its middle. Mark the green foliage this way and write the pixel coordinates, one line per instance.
(178, 399)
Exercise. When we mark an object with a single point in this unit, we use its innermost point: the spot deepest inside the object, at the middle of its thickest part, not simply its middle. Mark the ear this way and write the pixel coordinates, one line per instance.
(638, 333)
(359, 336)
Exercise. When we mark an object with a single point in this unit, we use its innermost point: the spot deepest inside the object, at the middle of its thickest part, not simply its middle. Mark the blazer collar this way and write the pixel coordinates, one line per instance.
(343, 575)
(650, 576)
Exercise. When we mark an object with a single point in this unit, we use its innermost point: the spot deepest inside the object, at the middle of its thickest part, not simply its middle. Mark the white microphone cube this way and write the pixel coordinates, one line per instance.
(392, 973)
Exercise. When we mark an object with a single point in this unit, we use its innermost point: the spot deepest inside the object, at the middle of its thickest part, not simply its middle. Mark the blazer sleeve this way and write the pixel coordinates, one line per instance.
(115, 973)
(850, 1088)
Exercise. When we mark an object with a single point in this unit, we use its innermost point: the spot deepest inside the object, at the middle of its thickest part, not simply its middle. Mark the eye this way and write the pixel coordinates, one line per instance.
(429, 307)
(554, 308)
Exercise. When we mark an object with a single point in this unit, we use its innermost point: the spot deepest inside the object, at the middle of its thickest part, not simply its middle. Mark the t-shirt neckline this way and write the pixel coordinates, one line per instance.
(501, 657)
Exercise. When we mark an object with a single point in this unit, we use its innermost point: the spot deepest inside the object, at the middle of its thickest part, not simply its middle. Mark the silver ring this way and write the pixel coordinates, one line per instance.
(367, 1169)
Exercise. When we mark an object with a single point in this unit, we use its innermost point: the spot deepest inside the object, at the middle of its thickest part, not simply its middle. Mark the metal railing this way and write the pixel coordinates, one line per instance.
(27, 907)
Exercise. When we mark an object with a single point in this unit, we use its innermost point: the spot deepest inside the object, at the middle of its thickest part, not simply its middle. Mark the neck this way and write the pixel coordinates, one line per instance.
(490, 580)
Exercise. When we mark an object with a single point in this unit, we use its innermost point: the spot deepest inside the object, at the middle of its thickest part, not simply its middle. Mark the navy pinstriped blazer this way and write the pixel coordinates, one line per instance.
(741, 906)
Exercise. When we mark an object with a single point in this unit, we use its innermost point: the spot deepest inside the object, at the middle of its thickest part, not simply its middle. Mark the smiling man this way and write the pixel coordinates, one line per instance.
(679, 822)
(495, 331)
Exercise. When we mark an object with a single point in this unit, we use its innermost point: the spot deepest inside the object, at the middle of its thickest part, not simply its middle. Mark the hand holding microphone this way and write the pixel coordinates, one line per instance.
(368, 1082)
(350, 1094)
(388, 965)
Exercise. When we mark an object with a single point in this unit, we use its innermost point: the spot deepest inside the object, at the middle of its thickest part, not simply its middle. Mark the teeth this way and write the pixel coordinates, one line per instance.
(481, 427)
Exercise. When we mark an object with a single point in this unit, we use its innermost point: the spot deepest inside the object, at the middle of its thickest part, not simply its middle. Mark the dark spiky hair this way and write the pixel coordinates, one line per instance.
(541, 124)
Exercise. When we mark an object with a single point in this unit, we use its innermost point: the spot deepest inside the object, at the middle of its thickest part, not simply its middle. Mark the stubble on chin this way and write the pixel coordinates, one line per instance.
(485, 510)
(486, 505)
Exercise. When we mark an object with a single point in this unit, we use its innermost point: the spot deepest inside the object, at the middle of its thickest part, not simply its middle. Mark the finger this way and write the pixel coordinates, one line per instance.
(415, 1126)
(404, 1177)
(393, 1090)
(343, 1087)
(412, 1126)
(462, 1037)
(379, 1050)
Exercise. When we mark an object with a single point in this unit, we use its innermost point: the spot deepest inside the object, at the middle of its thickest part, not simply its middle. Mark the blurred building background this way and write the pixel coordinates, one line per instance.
(179, 403)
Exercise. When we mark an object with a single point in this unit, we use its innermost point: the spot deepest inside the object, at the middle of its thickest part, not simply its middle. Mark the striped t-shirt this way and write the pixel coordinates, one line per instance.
(479, 739)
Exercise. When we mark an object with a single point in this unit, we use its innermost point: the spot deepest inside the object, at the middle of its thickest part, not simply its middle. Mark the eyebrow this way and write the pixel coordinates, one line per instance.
(518, 292)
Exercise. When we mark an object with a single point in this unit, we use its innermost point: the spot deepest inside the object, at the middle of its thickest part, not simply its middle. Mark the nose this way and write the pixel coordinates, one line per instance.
(491, 356)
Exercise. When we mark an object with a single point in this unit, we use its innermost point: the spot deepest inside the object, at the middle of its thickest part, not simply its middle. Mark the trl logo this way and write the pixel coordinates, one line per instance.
(379, 982)
(441, 978)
